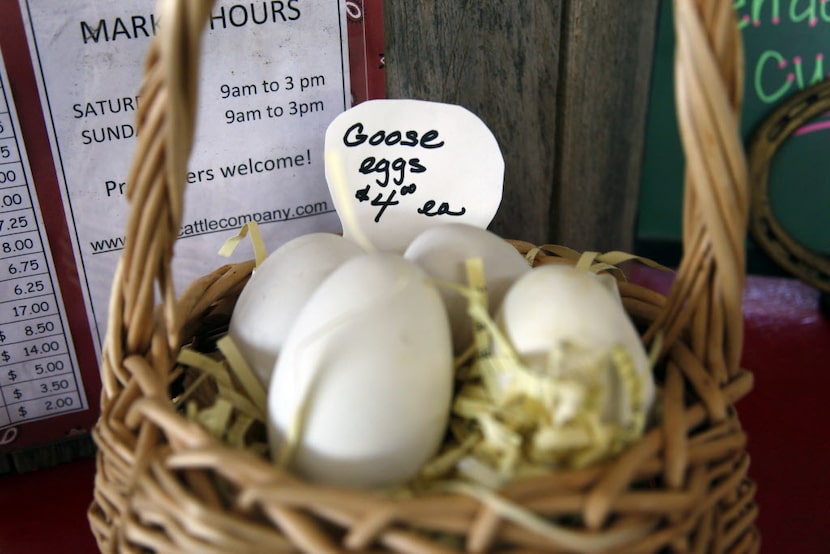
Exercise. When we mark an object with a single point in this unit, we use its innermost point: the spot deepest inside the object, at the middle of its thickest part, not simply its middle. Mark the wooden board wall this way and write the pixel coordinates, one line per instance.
(563, 84)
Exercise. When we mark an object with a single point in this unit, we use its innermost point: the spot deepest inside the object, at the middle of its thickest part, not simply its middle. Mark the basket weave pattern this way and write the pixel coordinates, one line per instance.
(164, 484)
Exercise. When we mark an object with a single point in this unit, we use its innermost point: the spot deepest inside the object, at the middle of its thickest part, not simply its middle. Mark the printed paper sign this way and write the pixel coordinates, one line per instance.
(410, 165)
(39, 374)
(272, 78)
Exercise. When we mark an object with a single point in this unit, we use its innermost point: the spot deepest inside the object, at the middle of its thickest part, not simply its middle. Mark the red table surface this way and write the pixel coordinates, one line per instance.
(787, 347)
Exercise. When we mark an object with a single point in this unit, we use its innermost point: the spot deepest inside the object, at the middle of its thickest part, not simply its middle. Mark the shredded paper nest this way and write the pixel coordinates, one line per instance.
(224, 395)
(507, 420)
(510, 421)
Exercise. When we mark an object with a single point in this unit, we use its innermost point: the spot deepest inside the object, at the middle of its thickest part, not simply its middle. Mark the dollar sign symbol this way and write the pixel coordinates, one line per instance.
(5, 355)
(12, 375)
(22, 411)
(17, 394)
(2, 336)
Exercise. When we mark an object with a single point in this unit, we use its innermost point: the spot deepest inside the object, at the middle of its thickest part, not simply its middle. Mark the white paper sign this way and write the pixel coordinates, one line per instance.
(39, 373)
(272, 78)
(410, 165)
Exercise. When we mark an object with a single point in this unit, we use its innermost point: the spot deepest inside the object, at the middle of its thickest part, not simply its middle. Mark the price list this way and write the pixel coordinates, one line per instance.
(39, 376)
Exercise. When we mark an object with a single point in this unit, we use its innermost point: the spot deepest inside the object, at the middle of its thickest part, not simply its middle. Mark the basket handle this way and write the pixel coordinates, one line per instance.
(166, 121)
(707, 295)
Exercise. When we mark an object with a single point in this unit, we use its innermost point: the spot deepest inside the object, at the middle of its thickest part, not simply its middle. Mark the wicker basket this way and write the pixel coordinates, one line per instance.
(164, 484)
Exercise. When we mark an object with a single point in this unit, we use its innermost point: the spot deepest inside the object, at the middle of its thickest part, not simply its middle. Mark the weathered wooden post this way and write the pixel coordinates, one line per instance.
(564, 86)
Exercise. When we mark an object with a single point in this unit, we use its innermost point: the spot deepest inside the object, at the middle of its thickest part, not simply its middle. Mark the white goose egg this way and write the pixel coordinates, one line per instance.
(365, 376)
(442, 252)
(555, 305)
(278, 288)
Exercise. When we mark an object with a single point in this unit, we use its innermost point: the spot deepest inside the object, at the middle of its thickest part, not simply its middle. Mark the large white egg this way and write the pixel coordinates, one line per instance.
(554, 305)
(367, 368)
(443, 251)
(278, 288)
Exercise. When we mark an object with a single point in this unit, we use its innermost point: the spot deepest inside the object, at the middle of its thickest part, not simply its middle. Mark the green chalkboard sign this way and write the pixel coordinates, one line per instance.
(787, 49)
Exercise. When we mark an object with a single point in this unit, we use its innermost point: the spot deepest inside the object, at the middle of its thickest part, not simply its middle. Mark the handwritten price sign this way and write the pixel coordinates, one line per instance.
(411, 165)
